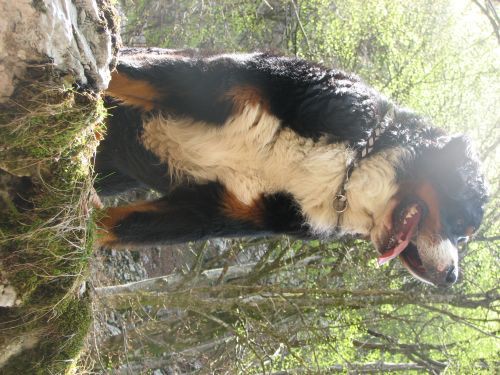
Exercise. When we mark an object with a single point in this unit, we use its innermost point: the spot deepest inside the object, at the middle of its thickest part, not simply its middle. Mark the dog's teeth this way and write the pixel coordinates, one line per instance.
(411, 212)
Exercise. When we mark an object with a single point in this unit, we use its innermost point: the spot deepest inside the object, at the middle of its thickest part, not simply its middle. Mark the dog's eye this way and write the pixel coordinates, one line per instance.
(459, 227)
(462, 243)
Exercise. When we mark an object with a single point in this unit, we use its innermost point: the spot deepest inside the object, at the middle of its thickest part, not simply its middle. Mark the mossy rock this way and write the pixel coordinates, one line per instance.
(46, 231)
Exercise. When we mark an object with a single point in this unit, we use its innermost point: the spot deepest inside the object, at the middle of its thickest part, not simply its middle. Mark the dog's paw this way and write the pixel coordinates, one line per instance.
(94, 200)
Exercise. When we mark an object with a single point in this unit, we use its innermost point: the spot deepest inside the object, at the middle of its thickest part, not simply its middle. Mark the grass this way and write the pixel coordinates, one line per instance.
(47, 132)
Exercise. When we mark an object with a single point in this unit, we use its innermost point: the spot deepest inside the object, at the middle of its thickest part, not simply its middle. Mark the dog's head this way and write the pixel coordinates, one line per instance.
(439, 205)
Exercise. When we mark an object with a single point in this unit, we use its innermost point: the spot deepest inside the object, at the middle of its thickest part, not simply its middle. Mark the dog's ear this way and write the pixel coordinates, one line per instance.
(452, 153)
(455, 148)
(449, 155)
(455, 167)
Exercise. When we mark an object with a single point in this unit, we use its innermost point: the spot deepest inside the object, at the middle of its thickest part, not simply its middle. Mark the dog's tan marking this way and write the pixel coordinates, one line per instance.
(469, 231)
(246, 95)
(236, 209)
(432, 223)
(133, 92)
(113, 216)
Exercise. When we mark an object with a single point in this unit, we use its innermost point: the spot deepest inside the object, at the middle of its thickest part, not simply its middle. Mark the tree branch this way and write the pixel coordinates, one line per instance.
(489, 11)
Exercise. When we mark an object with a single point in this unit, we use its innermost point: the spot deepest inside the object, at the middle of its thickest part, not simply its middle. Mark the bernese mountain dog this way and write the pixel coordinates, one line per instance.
(258, 144)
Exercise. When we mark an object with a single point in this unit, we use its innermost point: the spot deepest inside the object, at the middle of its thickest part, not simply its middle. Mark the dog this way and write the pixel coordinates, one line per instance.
(258, 144)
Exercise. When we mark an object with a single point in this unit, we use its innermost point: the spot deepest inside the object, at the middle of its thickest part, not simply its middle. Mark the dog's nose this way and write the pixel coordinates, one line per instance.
(451, 275)
(446, 277)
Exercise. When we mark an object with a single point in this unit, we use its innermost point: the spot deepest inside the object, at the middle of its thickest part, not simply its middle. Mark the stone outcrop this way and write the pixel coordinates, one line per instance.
(76, 37)
(72, 42)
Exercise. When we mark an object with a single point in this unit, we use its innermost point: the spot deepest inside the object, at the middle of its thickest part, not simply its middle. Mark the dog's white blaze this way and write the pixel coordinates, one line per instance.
(437, 254)
(252, 154)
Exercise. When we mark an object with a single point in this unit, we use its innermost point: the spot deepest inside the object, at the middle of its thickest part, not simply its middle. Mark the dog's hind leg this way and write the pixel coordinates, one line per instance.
(198, 89)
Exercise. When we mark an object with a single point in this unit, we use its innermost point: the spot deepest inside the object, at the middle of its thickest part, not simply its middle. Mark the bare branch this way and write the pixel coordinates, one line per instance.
(488, 9)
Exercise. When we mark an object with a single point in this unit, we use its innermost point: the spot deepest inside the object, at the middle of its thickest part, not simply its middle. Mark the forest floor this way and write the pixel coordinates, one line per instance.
(114, 267)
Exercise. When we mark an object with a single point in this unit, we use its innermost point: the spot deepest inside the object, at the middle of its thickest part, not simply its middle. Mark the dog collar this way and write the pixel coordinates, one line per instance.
(362, 152)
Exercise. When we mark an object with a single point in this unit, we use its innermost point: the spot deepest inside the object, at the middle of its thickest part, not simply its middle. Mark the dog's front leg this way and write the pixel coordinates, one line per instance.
(199, 212)
(187, 214)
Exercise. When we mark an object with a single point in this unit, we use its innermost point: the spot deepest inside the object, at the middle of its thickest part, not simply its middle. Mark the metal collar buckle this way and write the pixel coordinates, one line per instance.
(340, 201)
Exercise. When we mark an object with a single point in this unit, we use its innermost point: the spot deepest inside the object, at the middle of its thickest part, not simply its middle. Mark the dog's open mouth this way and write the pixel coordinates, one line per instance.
(405, 225)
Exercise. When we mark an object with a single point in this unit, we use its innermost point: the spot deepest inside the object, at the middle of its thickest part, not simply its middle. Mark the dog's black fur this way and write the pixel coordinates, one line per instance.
(316, 103)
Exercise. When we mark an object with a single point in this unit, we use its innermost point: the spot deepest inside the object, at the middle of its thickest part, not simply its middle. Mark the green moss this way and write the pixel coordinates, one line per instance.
(60, 346)
(73, 326)
(45, 250)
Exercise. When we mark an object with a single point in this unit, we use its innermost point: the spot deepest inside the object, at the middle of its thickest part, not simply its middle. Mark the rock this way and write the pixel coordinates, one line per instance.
(76, 37)
(82, 289)
(8, 296)
(114, 331)
(17, 344)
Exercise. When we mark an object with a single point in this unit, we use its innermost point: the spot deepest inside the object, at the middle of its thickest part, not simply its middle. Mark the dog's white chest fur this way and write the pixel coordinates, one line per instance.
(253, 154)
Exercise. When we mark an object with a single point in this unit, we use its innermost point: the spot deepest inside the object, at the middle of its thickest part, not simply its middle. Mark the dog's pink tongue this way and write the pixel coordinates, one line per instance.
(403, 236)
(392, 253)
